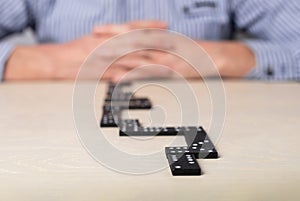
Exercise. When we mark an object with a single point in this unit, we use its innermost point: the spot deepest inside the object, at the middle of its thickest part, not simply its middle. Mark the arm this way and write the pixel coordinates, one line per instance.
(275, 40)
(43, 61)
(15, 16)
(272, 52)
(52, 61)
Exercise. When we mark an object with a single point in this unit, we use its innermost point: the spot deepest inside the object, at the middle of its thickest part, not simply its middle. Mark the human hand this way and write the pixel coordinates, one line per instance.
(51, 61)
(127, 64)
(63, 61)
(124, 64)
(114, 29)
(231, 59)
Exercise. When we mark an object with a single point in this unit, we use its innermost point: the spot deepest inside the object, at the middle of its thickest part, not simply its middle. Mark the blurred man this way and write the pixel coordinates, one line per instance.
(68, 30)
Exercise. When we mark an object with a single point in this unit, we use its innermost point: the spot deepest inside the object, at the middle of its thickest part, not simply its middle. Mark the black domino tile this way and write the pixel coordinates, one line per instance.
(200, 143)
(201, 153)
(109, 108)
(140, 103)
(109, 120)
(157, 131)
(154, 131)
(130, 124)
(177, 150)
(132, 104)
(183, 165)
(194, 135)
(119, 96)
(116, 88)
(120, 84)
(146, 131)
(111, 115)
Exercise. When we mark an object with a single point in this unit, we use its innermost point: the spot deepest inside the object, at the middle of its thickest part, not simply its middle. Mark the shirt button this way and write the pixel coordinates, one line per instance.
(186, 9)
(269, 72)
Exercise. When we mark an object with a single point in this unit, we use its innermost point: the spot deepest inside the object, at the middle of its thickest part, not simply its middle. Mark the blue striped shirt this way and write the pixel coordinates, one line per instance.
(273, 26)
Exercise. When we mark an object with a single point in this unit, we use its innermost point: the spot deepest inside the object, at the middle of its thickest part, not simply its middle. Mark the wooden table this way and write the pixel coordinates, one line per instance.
(42, 158)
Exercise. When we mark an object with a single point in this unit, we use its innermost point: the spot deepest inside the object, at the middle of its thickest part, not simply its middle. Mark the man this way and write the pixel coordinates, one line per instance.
(68, 30)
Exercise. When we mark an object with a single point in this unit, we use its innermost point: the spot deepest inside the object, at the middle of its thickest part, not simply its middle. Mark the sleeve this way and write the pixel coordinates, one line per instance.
(273, 30)
(5, 50)
(15, 16)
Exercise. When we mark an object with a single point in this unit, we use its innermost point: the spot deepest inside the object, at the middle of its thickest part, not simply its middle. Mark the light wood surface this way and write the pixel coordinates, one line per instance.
(42, 158)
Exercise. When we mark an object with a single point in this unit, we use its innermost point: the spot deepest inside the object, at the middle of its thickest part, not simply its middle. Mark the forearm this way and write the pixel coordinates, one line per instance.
(52, 61)
(32, 63)
(27, 63)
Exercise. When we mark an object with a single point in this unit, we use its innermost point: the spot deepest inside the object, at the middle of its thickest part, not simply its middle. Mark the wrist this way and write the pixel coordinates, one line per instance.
(28, 62)
(235, 60)
(232, 59)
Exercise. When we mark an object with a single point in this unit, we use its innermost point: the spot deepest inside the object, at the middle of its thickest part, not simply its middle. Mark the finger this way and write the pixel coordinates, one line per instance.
(154, 39)
(145, 57)
(114, 29)
(148, 24)
(142, 58)
(131, 63)
(135, 60)
(180, 66)
(144, 72)
(111, 29)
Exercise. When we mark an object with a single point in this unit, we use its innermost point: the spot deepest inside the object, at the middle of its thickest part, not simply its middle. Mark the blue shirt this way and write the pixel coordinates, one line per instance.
(273, 26)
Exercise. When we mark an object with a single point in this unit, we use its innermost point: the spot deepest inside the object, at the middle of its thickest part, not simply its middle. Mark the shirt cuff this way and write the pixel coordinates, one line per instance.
(6, 49)
(273, 62)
